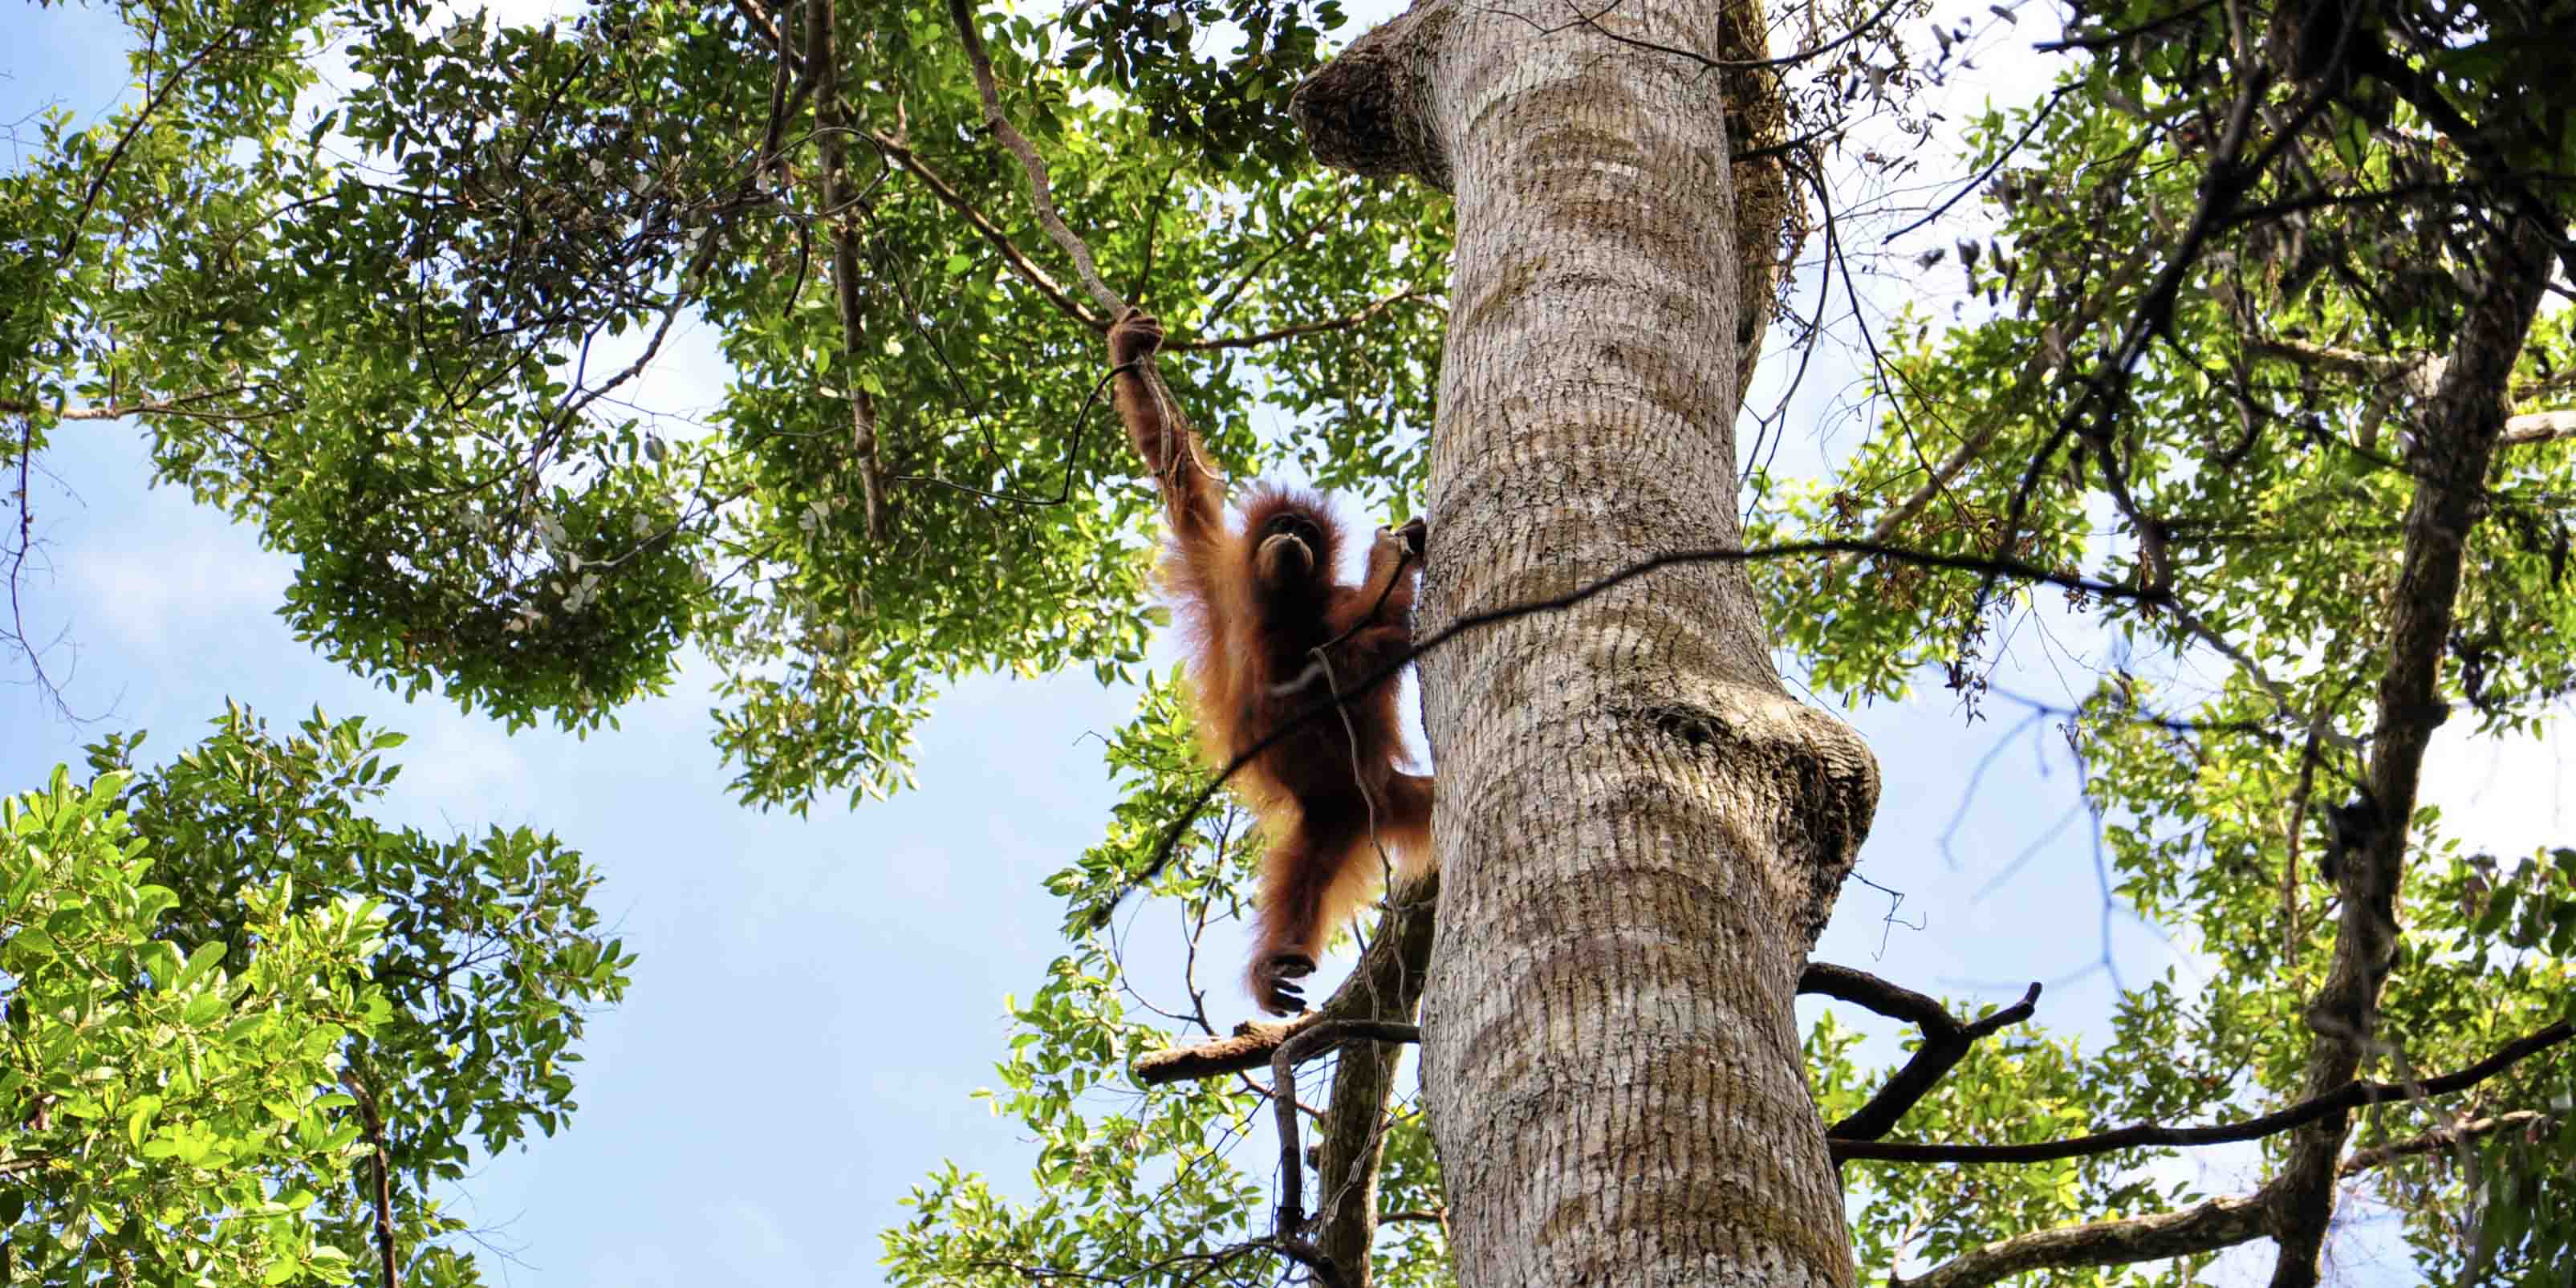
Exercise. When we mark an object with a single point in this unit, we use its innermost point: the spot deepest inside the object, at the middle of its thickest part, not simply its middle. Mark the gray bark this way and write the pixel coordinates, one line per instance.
(1639, 832)
(2455, 443)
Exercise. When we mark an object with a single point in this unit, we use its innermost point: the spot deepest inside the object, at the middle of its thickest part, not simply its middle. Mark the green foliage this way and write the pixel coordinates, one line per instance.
(1231, 103)
(403, 337)
(2273, 462)
(197, 1057)
(169, 1098)
(1152, 1184)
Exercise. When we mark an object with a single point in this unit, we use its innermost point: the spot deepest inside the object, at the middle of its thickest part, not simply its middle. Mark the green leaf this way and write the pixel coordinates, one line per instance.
(206, 957)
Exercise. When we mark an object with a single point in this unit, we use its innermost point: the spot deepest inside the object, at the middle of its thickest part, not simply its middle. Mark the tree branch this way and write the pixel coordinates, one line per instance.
(2421, 375)
(832, 131)
(1401, 952)
(2331, 1105)
(1250, 1046)
(2441, 1138)
(2538, 427)
(2226, 1222)
(2218, 1223)
(2453, 449)
(1041, 195)
(2350, 362)
(383, 1200)
(1310, 1042)
(1989, 567)
(1945, 1042)
(1350, 1142)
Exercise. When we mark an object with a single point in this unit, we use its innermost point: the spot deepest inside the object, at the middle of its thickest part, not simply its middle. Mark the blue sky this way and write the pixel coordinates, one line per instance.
(817, 998)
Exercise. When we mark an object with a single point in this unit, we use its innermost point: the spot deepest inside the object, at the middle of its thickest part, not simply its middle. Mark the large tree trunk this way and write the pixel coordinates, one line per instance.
(1639, 832)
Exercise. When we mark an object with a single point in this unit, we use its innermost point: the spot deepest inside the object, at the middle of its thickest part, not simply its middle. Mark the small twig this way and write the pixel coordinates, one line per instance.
(2038, 117)
(2115, 39)
(1353, 318)
(1706, 63)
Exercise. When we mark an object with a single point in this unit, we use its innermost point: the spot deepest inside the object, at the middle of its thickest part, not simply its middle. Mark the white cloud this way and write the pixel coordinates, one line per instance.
(167, 599)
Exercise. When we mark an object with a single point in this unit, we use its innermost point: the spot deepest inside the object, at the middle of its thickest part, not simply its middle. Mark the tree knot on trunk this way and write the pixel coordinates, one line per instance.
(1810, 783)
(1368, 110)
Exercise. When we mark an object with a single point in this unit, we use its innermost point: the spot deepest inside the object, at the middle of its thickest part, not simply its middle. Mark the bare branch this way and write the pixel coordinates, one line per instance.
(1350, 1142)
(2441, 1138)
(1310, 1042)
(1250, 1046)
(2538, 427)
(2218, 1223)
(1012, 255)
(2331, 1105)
(184, 405)
(2351, 362)
(1401, 951)
(1945, 1042)
(1040, 194)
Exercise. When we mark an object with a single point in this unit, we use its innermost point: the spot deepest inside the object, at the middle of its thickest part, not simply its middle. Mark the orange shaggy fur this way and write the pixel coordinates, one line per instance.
(1256, 603)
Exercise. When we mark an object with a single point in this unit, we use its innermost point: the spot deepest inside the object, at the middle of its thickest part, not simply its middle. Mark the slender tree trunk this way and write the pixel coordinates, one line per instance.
(2454, 448)
(1640, 834)
(1352, 1144)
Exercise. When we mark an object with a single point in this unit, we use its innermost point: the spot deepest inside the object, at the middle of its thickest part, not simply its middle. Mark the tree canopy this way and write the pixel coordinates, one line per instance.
(398, 334)
(2198, 331)
(248, 1027)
